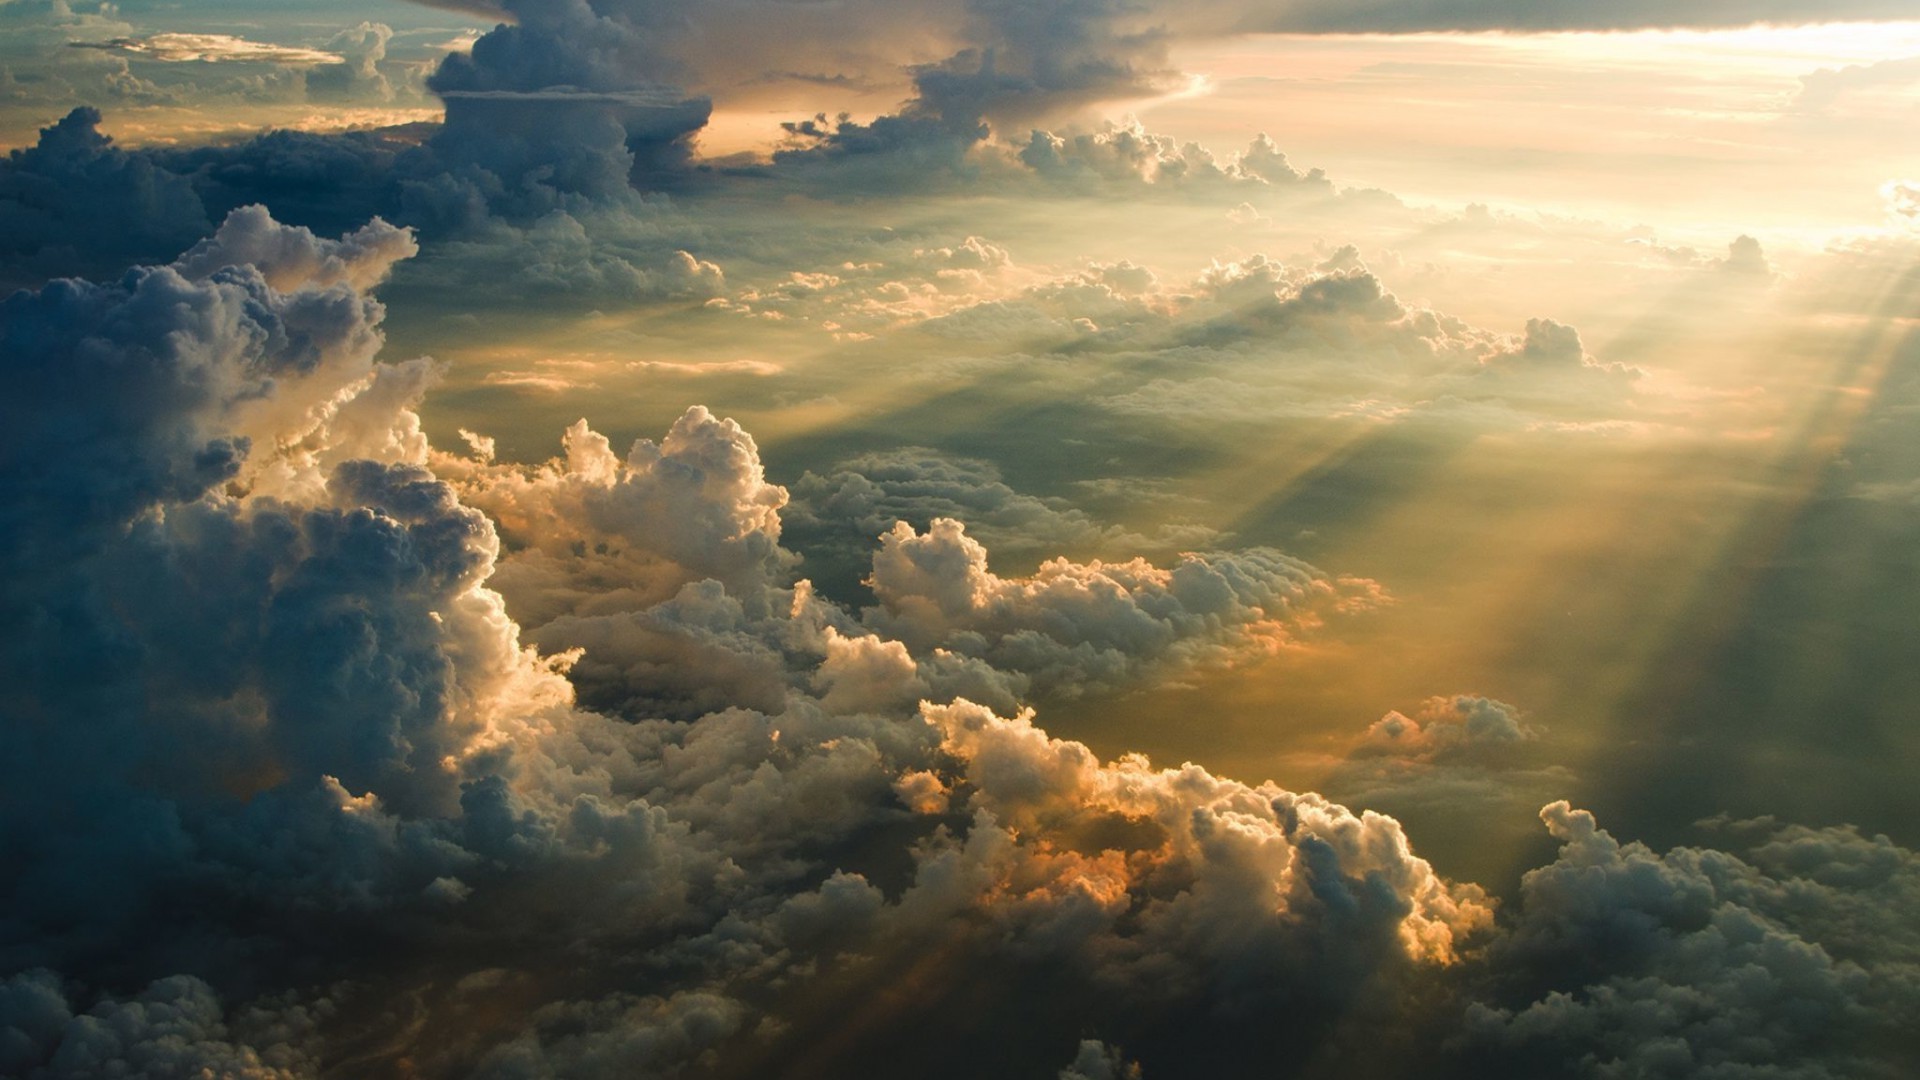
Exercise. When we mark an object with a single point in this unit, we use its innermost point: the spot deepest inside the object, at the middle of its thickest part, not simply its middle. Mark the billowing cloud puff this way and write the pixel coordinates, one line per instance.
(1098, 1061)
(289, 258)
(694, 506)
(230, 597)
(577, 93)
(1282, 863)
(1700, 963)
(665, 566)
(1448, 728)
(1745, 256)
(175, 1027)
(1073, 626)
(1550, 362)
(1130, 153)
(205, 362)
(360, 50)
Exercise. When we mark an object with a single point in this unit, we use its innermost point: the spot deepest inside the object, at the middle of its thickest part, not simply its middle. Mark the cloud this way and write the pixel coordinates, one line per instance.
(1822, 89)
(1098, 1061)
(175, 1027)
(580, 95)
(842, 513)
(1003, 58)
(74, 201)
(229, 589)
(291, 257)
(1903, 200)
(1072, 626)
(697, 500)
(1697, 961)
(1744, 256)
(890, 281)
(1446, 729)
(1262, 871)
(617, 1036)
(969, 65)
(1129, 153)
(1550, 362)
(79, 204)
(360, 50)
(177, 48)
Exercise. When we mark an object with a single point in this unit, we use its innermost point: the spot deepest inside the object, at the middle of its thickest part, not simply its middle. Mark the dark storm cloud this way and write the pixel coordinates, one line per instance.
(78, 204)
(75, 203)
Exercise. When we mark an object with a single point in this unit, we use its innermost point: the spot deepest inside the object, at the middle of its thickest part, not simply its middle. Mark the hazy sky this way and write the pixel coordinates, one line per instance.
(1053, 538)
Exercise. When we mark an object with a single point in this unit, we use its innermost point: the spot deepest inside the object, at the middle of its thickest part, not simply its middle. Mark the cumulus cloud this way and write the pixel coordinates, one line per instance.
(75, 202)
(1448, 728)
(698, 500)
(1745, 256)
(1262, 871)
(291, 257)
(175, 1027)
(1550, 362)
(581, 95)
(359, 51)
(1699, 962)
(216, 507)
(1129, 153)
(1098, 1061)
(1075, 626)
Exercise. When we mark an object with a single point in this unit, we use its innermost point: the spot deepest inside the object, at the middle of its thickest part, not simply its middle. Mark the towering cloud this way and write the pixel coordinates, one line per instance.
(577, 94)
(75, 201)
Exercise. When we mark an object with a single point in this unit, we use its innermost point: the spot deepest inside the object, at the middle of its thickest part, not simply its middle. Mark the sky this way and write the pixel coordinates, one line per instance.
(1081, 539)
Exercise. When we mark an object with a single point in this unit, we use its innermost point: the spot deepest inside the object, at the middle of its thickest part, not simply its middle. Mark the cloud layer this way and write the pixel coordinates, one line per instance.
(294, 760)
(332, 748)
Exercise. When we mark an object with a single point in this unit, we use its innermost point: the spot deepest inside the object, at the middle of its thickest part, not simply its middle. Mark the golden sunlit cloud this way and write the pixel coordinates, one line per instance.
(212, 49)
